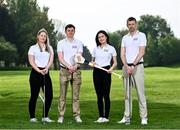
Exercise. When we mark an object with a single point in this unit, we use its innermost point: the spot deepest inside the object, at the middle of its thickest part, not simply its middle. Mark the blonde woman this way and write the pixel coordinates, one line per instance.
(40, 57)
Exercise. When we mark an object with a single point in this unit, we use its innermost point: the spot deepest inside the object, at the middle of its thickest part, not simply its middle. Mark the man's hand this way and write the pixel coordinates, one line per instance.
(129, 70)
(73, 69)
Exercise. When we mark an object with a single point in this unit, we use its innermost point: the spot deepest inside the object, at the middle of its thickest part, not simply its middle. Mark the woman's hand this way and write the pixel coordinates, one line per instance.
(110, 70)
(92, 63)
(41, 72)
(45, 70)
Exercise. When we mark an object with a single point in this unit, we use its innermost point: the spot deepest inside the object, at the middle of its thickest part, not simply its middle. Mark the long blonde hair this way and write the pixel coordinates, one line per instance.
(46, 42)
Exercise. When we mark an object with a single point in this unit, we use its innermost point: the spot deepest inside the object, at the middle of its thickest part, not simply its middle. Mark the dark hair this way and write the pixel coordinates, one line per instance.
(69, 26)
(103, 32)
(131, 19)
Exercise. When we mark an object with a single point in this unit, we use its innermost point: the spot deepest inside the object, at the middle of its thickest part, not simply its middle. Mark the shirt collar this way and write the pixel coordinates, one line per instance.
(69, 41)
(104, 46)
(137, 32)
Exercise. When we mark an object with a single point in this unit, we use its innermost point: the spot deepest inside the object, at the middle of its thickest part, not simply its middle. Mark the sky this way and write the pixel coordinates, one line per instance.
(90, 16)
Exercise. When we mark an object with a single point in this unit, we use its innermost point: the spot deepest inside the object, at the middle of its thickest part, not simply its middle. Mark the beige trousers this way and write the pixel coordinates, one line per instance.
(137, 80)
(75, 80)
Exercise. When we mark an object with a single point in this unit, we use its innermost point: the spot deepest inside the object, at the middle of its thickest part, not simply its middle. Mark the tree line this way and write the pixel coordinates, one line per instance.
(20, 21)
(162, 46)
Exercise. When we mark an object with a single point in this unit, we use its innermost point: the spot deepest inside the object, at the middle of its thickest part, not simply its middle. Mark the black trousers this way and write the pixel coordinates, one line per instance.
(38, 81)
(102, 84)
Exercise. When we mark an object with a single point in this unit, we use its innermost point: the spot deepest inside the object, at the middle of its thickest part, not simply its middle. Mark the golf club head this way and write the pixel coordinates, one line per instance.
(79, 59)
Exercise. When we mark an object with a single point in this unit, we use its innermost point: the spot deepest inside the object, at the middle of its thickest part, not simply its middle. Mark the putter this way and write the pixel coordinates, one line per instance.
(81, 60)
(43, 99)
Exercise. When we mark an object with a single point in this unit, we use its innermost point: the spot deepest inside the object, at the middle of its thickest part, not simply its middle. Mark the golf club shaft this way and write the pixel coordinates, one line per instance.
(96, 66)
(42, 99)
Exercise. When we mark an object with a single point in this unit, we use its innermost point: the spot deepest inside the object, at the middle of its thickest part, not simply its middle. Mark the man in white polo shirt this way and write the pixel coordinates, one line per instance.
(132, 52)
(69, 72)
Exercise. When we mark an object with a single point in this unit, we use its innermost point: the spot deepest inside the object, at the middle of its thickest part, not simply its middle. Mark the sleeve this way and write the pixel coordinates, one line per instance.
(114, 53)
(31, 52)
(59, 47)
(93, 52)
(80, 50)
(143, 40)
(122, 42)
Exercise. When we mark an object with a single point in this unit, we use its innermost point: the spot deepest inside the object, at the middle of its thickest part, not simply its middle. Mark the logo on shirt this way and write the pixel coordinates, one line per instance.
(105, 50)
(135, 39)
(74, 47)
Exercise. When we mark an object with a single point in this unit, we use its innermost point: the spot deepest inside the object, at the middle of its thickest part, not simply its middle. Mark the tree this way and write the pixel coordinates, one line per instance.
(8, 52)
(115, 40)
(169, 48)
(155, 28)
(87, 55)
(152, 52)
(7, 28)
(29, 20)
(58, 28)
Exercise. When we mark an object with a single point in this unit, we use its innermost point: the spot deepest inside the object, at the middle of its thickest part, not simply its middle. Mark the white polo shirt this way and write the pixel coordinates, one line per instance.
(132, 44)
(41, 58)
(69, 49)
(104, 55)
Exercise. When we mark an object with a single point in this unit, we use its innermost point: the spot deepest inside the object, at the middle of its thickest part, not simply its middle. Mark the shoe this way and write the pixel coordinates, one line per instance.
(104, 120)
(144, 121)
(33, 120)
(124, 121)
(60, 119)
(78, 119)
(99, 120)
(47, 120)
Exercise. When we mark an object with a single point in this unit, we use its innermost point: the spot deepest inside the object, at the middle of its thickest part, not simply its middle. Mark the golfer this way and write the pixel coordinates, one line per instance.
(132, 52)
(40, 58)
(69, 72)
(102, 56)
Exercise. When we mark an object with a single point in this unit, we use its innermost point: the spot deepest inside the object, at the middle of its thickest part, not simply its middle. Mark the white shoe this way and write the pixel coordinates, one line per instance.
(78, 119)
(124, 121)
(104, 120)
(47, 120)
(99, 120)
(144, 121)
(60, 119)
(33, 120)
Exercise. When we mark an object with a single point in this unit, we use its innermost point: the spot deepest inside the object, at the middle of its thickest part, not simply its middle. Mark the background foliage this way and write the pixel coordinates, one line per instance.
(20, 21)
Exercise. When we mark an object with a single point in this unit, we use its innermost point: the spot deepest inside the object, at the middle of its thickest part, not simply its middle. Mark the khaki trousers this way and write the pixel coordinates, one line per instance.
(75, 80)
(137, 80)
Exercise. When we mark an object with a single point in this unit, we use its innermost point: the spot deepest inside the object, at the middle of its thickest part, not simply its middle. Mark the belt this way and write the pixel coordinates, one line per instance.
(63, 67)
(66, 67)
(131, 64)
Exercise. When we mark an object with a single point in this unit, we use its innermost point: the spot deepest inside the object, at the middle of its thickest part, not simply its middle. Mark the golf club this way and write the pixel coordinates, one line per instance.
(81, 60)
(43, 98)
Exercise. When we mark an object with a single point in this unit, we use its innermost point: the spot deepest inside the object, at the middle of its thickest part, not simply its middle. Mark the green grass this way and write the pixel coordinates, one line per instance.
(162, 91)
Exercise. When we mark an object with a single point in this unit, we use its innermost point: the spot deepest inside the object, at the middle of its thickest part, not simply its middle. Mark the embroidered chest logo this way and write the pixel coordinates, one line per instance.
(135, 39)
(74, 47)
(105, 50)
